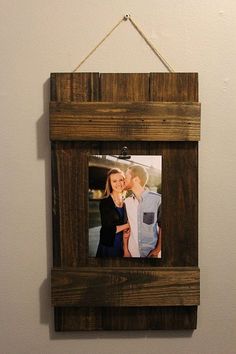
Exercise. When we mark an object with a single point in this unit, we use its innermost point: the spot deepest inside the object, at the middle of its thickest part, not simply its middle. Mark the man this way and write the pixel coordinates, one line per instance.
(143, 209)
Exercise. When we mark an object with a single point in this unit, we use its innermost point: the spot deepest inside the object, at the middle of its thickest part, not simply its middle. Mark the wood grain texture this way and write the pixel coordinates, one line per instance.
(125, 318)
(120, 87)
(69, 168)
(122, 286)
(174, 87)
(180, 204)
(144, 121)
(180, 197)
(69, 174)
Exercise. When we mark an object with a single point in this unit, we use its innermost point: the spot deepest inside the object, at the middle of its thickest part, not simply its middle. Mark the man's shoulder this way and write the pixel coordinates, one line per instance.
(152, 193)
(154, 196)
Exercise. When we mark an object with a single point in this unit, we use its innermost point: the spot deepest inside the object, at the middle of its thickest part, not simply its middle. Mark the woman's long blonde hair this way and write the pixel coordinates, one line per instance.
(108, 188)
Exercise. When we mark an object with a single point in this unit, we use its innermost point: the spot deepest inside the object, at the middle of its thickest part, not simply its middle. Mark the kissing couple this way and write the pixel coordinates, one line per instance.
(130, 226)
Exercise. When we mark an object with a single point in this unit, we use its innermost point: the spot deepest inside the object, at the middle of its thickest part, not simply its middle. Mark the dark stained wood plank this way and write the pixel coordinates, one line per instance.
(84, 87)
(125, 287)
(68, 187)
(78, 319)
(61, 87)
(55, 207)
(121, 87)
(109, 110)
(69, 168)
(69, 172)
(151, 318)
(74, 87)
(180, 176)
(180, 204)
(180, 164)
(146, 121)
(136, 318)
(174, 87)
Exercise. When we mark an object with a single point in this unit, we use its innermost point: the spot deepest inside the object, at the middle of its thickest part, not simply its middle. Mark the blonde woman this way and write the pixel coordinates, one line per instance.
(112, 216)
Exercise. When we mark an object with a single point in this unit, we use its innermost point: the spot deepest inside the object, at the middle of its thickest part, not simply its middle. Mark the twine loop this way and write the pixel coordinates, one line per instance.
(127, 17)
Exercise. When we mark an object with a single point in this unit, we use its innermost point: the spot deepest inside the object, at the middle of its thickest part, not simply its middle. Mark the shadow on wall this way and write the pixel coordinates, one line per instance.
(43, 153)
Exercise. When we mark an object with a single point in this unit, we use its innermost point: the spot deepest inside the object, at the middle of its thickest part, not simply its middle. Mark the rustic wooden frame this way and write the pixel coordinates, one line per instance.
(156, 114)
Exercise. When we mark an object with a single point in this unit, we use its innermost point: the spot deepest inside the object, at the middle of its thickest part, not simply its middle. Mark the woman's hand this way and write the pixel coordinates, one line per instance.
(127, 253)
(156, 253)
(126, 233)
(123, 227)
(126, 226)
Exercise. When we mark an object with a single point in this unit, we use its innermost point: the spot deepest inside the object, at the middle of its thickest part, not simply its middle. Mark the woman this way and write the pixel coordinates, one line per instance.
(112, 216)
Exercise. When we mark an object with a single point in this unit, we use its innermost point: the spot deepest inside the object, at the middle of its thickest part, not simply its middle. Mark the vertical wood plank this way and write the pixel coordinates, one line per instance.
(55, 207)
(61, 87)
(124, 87)
(69, 168)
(179, 189)
(174, 87)
(180, 205)
(84, 87)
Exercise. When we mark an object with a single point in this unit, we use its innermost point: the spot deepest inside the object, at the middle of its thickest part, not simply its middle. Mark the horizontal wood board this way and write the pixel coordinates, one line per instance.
(69, 170)
(125, 287)
(142, 121)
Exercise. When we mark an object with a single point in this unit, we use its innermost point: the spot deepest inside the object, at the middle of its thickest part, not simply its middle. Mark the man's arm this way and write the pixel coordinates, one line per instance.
(126, 235)
(156, 251)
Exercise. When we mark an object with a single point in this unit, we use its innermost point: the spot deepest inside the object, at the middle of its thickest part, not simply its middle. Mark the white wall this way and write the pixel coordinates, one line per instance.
(39, 37)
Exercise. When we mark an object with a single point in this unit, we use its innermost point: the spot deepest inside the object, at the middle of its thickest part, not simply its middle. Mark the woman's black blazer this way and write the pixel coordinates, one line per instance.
(110, 218)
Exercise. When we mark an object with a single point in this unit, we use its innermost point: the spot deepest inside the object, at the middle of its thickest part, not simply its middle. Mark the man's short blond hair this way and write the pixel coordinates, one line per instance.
(139, 171)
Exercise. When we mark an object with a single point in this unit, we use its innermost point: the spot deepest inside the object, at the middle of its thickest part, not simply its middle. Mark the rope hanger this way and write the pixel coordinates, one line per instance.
(128, 18)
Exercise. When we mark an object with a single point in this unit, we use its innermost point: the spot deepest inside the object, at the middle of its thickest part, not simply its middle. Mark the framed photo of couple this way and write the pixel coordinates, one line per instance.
(125, 200)
(125, 206)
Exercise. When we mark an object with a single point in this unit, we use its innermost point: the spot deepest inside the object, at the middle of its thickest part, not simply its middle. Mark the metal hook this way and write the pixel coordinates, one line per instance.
(124, 154)
(126, 17)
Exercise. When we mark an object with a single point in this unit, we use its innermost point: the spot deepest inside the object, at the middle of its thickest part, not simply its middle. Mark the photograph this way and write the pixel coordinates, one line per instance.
(125, 206)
